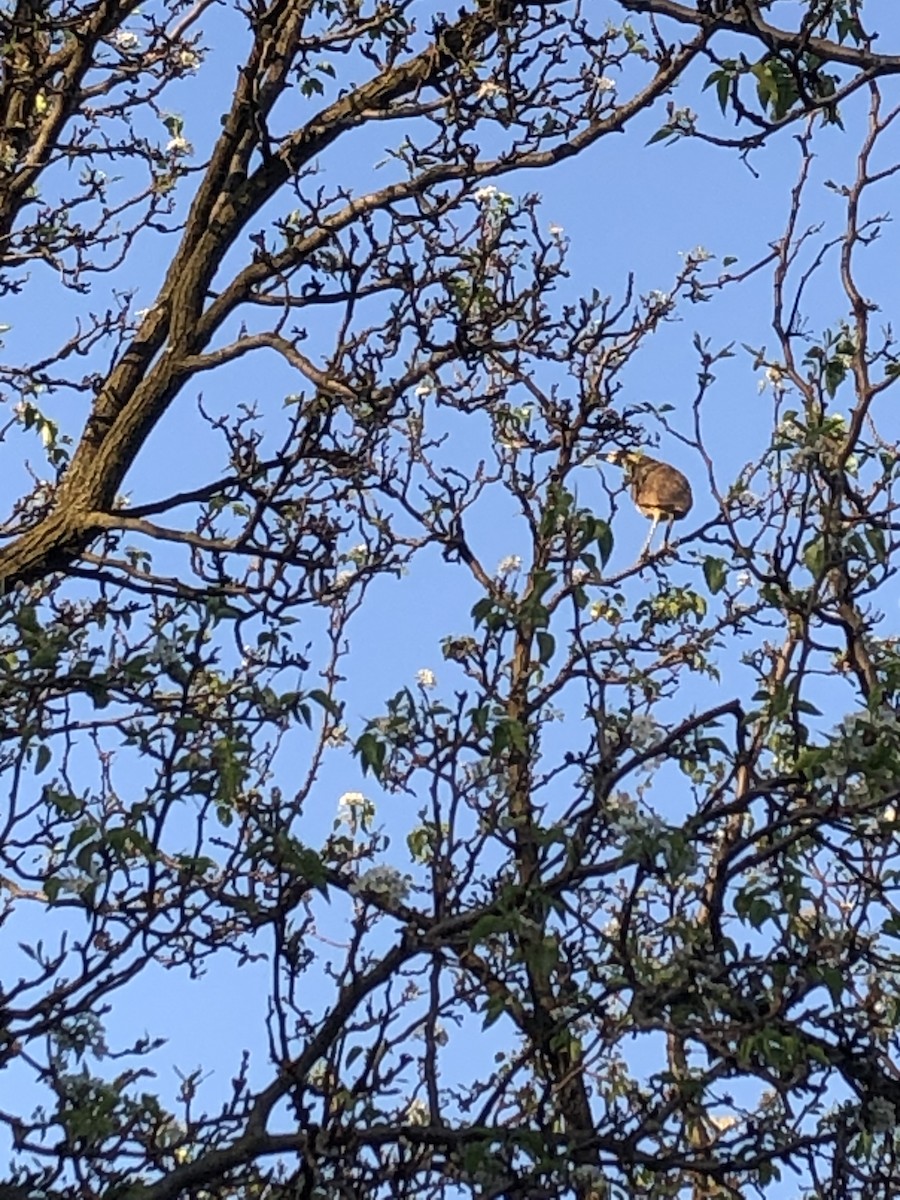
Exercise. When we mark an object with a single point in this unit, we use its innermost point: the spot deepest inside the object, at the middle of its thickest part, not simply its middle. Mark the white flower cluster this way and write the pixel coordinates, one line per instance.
(600, 610)
(773, 378)
(489, 193)
(426, 678)
(354, 809)
(698, 255)
(189, 60)
(487, 89)
(790, 430)
(619, 804)
(418, 1112)
(125, 39)
(659, 304)
(383, 881)
(509, 565)
(643, 731)
(179, 145)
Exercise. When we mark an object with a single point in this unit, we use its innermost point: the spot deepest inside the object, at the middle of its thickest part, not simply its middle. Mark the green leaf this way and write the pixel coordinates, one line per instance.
(661, 134)
(485, 927)
(814, 556)
(372, 753)
(604, 536)
(482, 610)
(325, 701)
(546, 645)
(875, 538)
(81, 833)
(508, 734)
(715, 574)
(494, 1009)
(833, 978)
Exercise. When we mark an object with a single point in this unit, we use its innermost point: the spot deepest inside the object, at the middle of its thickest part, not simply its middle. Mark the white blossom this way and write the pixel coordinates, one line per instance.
(426, 678)
(189, 59)
(179, 145)
(488, 88)
(418, 1112)
(489, 192)
(509, 565)
(723, 1123)
(643, 730)
(350, 804)
(601, 611)
(790, 430)
(605, 84)
(774, 378)
(382, 881)
(620, 802)
(125, 39)
(743, 498)
(319, 1073)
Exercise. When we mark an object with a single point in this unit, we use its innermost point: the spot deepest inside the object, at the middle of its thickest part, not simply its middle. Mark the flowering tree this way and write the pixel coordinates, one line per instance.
(608, 907)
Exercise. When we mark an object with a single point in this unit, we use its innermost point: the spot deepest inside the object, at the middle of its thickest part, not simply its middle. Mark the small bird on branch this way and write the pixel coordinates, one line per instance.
(659, 491)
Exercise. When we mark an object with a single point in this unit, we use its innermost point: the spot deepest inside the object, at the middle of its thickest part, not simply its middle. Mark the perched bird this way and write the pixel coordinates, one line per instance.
(658, 490)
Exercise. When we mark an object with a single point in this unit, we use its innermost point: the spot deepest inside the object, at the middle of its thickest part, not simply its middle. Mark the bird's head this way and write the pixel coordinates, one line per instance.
(625, 458)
